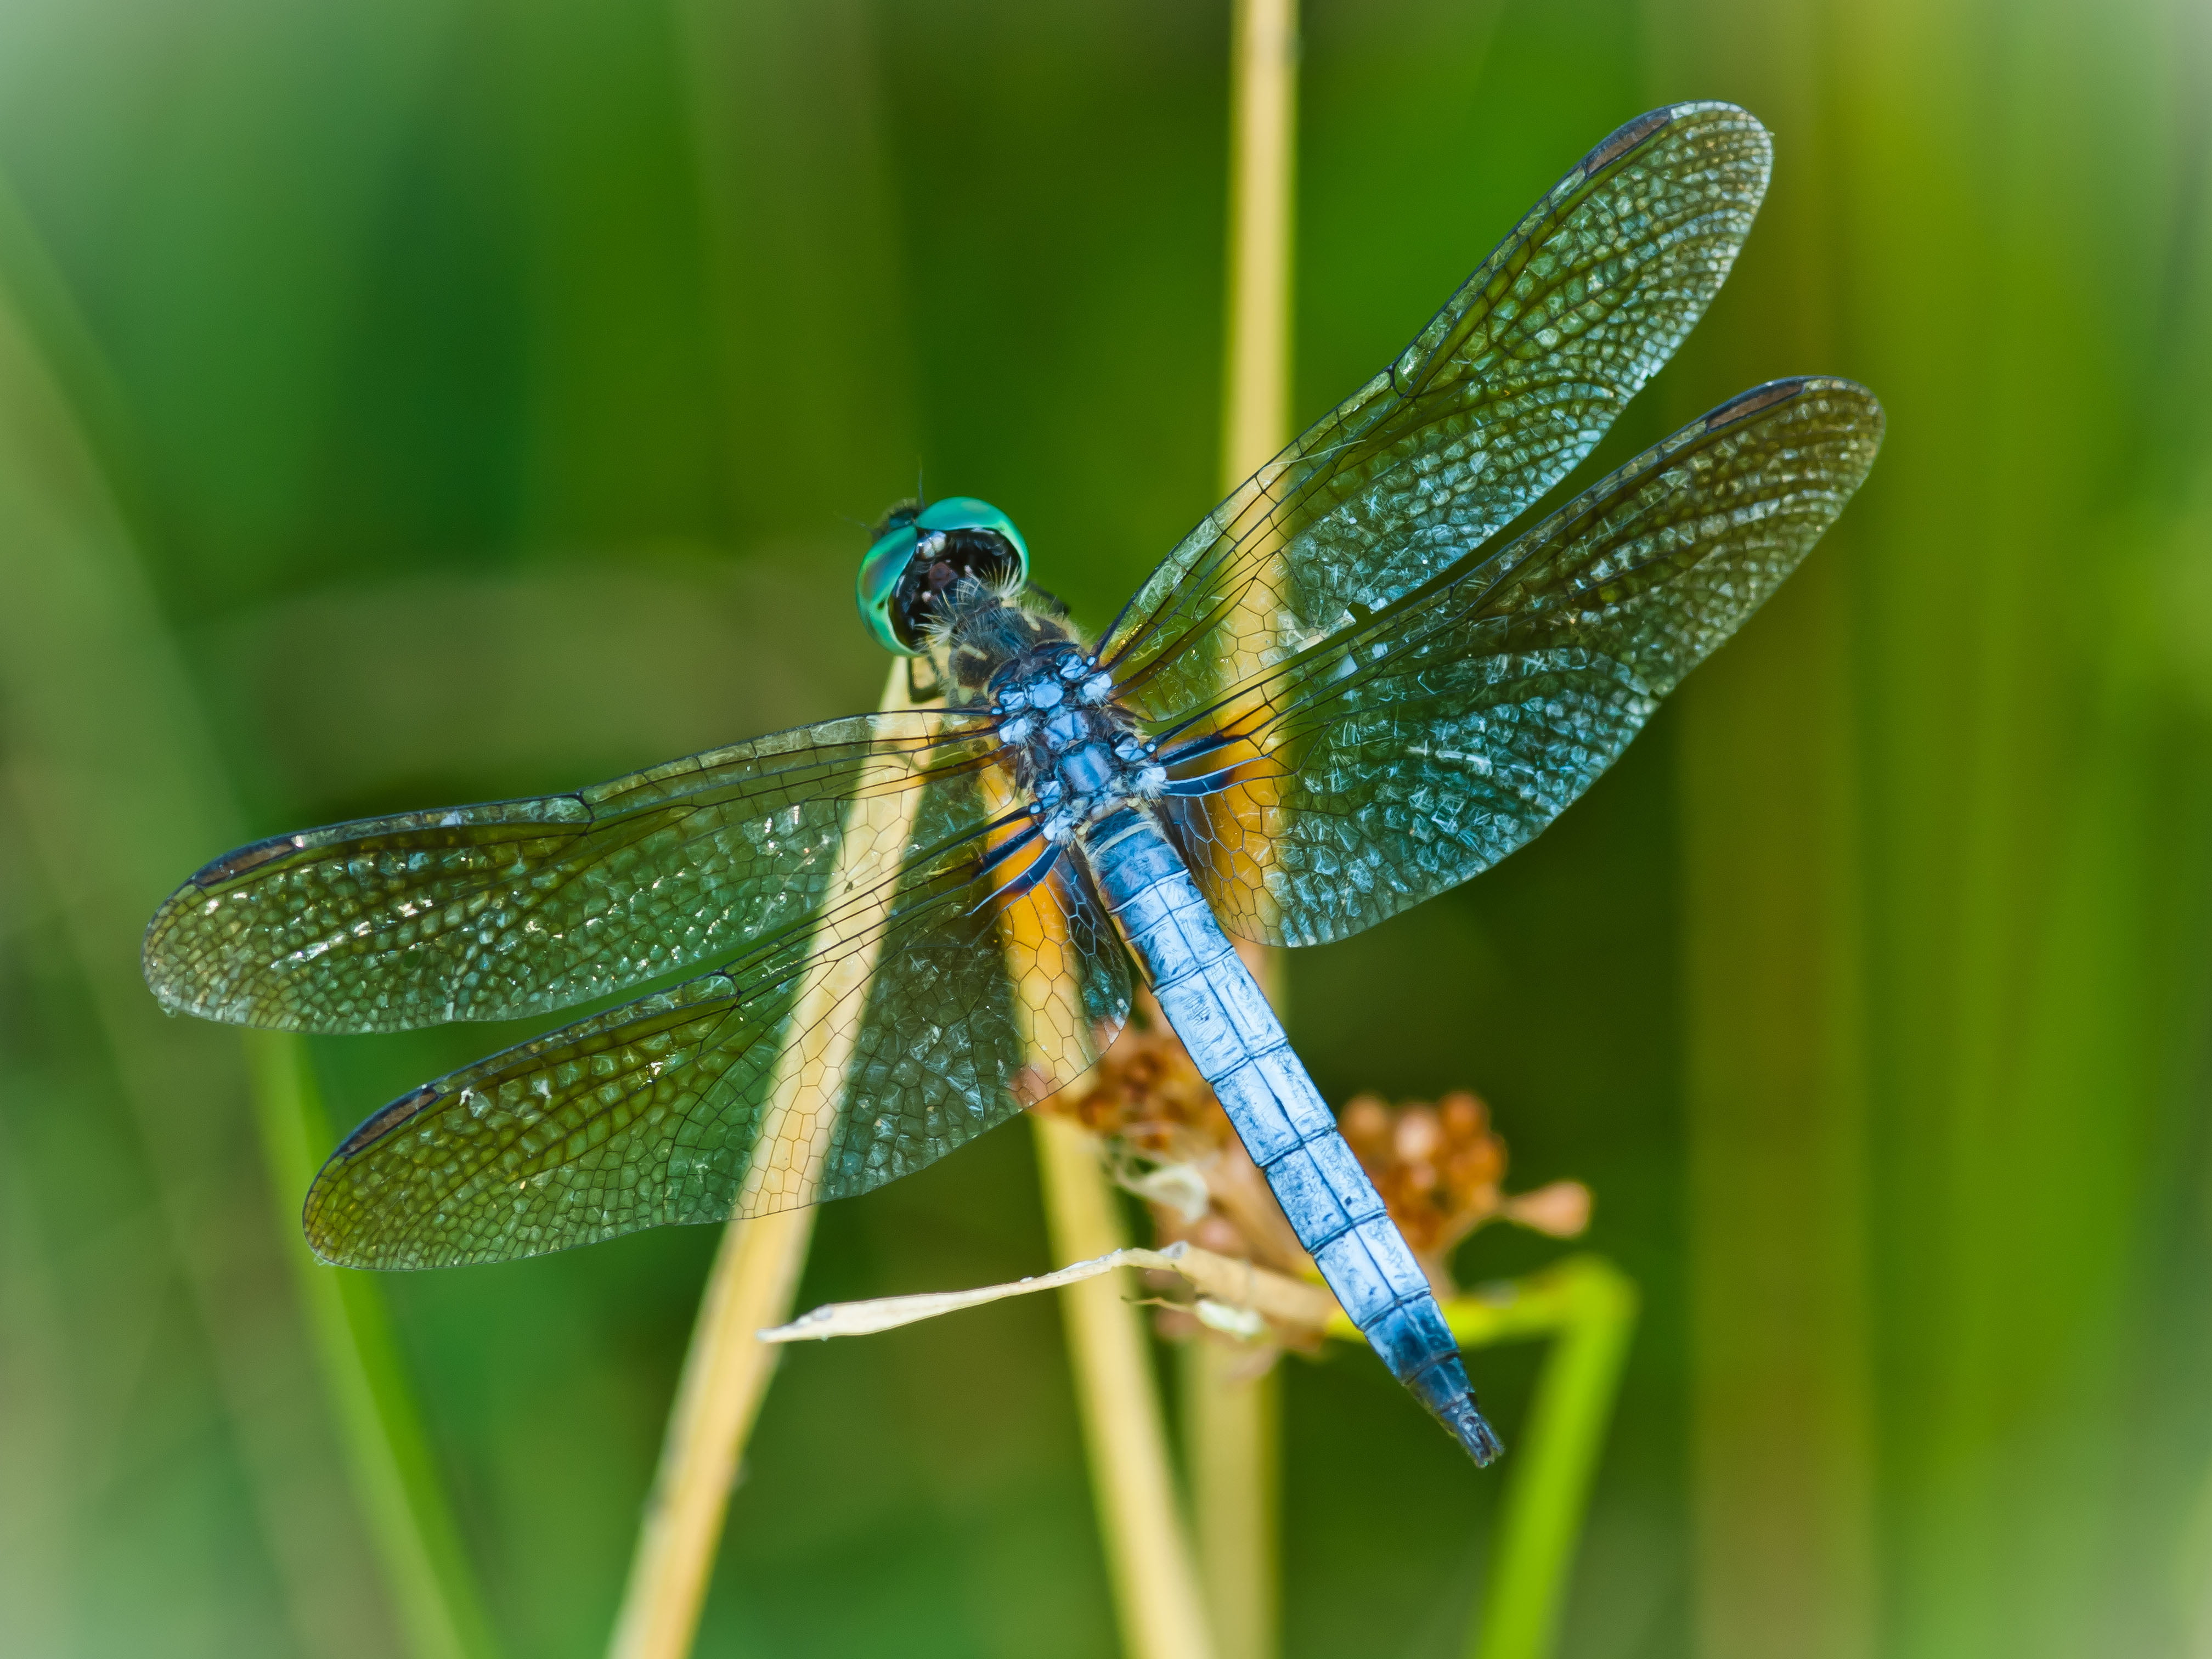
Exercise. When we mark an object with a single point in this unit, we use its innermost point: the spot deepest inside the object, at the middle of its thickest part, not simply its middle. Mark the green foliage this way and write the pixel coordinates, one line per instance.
(427, 401)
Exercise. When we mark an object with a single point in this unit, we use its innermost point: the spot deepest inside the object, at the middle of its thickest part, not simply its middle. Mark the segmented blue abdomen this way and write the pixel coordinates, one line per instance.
(1238, 1045)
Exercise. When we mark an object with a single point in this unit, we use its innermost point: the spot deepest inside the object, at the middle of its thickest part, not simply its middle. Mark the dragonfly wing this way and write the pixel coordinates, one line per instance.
(520, 907)
(1408, 754)
(1510, 384)
(927, 1006)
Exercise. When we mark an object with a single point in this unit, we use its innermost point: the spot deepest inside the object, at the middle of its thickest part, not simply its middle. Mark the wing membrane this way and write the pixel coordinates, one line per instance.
(927, 1007)
(1408, 754)
(1510, 384)
(520, 907)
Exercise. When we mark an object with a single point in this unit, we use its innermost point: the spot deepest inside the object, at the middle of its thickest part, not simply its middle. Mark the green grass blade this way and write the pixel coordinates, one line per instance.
(119, 791)
(388, 1453)
(1591, 1307)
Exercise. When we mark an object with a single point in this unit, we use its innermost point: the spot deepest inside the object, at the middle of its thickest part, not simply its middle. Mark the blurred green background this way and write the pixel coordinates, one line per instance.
(428, 400)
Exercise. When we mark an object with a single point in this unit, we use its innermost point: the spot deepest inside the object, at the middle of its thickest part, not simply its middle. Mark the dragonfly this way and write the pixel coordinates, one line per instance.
(1367, 676)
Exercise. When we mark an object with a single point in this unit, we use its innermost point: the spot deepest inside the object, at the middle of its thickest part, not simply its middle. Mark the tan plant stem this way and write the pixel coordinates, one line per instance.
(755, 1275)
(726, 1376)
(1263, 119)
(1231, 1400)
(1230, 1414)
(1148, 1559)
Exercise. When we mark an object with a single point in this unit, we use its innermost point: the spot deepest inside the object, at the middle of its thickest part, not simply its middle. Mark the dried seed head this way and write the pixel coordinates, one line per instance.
(1439, 1167)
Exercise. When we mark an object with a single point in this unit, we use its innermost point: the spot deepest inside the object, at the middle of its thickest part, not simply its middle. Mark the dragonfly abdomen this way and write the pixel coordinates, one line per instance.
(1239, 1047)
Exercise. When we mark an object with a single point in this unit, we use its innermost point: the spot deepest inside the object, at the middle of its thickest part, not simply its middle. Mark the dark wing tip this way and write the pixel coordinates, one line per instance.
(1636, 135)
(1735, 155)
(382, 1122)
(325, 1236)
(1749, 405)
(244, 861)
(171, 978)
(1631, 136)
(1756, 401)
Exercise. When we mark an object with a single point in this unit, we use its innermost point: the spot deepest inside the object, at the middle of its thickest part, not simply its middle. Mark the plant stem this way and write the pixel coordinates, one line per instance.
(1231, 1416)
(755, 1275)
(1588, 1306)
(1148, 1560)
(1232, 1423)
(1262, 149)
(726, 1376)
(1591, 1307)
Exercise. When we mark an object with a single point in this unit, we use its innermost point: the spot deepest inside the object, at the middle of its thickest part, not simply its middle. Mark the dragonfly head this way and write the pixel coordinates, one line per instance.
(920, 553)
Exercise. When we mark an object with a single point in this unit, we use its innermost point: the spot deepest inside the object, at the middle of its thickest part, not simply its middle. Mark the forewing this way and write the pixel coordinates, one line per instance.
(1413, 752)
(927, 1007)
(1509, 386)
(520, 907)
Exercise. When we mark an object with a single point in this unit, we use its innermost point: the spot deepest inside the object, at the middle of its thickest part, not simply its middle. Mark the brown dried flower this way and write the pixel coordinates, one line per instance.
(1440, 1168)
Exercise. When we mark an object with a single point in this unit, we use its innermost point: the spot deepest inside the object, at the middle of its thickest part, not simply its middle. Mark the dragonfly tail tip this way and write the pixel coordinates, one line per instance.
(1471, 1429)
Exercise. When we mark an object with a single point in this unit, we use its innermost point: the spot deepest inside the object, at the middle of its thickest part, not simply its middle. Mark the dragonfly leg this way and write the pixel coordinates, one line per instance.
(1034, 871)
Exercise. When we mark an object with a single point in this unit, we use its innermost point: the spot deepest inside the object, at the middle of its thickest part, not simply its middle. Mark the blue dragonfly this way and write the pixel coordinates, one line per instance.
(1351, 687)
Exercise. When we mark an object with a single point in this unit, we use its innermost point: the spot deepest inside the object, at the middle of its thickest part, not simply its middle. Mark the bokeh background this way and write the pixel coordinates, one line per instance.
(426, 400)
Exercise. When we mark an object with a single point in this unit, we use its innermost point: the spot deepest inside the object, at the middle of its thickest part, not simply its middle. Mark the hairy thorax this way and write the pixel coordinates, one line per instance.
(1077, 753)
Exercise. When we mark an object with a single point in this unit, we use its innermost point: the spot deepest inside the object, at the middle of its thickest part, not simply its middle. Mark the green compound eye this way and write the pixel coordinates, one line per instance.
(881, 570)
(918, 553)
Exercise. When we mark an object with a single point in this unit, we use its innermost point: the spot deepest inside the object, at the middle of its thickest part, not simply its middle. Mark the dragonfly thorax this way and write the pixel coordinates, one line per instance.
(1076, 751)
